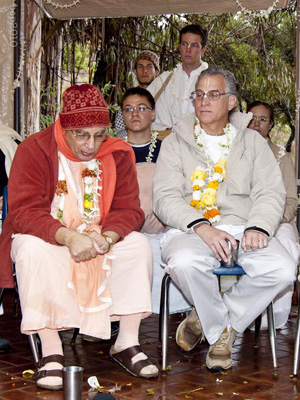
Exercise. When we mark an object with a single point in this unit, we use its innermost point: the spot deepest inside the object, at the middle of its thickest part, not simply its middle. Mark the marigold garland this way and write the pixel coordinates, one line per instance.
(205, 181)
(61, 188)
(211, 213)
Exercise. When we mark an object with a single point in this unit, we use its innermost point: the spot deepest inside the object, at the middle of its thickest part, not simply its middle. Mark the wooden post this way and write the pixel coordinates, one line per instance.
(297, 136)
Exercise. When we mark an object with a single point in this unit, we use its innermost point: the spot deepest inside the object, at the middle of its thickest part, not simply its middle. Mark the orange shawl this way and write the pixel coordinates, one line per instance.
(106, 158)
(89, 278)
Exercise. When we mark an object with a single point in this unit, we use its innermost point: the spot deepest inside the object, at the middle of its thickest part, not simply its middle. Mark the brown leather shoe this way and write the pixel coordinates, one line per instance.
(189, 333)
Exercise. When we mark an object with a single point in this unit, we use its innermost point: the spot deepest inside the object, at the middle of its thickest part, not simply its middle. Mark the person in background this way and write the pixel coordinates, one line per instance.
(263, 121)
(70, 230)
(146, 69)
(174, 100)
(9, 140)
(138, 107)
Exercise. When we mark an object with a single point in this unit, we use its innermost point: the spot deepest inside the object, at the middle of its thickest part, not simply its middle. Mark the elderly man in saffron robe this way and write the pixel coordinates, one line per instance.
(73, 212)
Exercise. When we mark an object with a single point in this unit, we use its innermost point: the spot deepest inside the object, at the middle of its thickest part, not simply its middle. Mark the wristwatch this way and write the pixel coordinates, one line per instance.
(108, 239)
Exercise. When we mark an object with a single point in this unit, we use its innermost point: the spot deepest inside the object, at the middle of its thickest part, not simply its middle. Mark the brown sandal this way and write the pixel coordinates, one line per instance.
(124, 359)
(45, 373)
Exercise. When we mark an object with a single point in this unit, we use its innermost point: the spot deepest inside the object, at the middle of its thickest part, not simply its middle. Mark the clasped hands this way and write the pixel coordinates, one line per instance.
(216, 240)
(82, 247)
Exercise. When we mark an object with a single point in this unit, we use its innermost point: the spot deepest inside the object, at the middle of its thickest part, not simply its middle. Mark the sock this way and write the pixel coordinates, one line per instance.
(129, 332)
(129, 336)
(51, 344)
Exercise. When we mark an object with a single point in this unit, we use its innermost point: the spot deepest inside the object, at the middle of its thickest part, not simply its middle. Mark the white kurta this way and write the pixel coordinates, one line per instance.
(174, 102)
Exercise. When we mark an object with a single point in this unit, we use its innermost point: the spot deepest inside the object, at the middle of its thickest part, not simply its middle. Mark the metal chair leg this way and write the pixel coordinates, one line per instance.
(297, 339)
(164, 316)
(74, 337)
(272, 333)
(16, 303)
(1, 294)
(34, 347)
(257, 329)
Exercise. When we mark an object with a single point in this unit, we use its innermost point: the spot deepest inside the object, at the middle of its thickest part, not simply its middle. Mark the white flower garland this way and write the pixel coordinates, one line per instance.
(265, 12)
(62, 6)
(205, 181)
(152, 146)
(88, 204)
(172, 86)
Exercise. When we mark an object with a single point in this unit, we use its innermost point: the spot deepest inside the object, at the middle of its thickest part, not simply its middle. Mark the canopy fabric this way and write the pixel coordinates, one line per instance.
(65, 9)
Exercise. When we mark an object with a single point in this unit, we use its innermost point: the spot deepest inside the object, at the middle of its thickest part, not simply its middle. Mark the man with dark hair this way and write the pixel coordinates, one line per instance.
(139, 91)
(138, 108)
(216, 182)
(146, 69)
(174, 100)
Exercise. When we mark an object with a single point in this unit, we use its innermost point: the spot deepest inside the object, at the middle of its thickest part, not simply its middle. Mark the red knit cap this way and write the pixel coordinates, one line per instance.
(83, 107)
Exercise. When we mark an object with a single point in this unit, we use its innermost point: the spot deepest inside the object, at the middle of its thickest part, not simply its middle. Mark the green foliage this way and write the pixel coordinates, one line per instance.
(49, 107)
(258, 48)
(82, 52)
(113, 108)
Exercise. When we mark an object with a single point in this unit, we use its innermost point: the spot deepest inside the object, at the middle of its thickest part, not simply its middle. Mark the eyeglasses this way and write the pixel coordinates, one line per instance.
(85, 136)
(213, 95)
(260, 119)
(142, 109)
(148, 66)
(187, 45)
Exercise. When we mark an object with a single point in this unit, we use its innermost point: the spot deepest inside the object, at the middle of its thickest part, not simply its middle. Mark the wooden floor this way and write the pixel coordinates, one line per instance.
(252, 375)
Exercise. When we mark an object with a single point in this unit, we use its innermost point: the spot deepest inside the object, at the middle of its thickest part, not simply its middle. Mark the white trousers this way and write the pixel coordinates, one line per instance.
(177, 302)
(283, 301)
(190, 263)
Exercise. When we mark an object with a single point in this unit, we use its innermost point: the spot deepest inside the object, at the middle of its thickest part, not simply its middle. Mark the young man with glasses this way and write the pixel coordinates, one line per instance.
(216, 181)
(174, 101)
(138, 109)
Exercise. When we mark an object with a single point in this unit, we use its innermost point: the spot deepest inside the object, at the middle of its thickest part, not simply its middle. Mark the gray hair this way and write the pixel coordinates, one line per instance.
(213, 70)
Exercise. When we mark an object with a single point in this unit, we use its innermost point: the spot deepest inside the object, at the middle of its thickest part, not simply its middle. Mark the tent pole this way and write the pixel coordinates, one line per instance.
(17, 50)
(297, 150)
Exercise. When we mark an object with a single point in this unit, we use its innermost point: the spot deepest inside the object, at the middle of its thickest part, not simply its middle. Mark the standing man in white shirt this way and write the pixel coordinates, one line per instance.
(174, 101)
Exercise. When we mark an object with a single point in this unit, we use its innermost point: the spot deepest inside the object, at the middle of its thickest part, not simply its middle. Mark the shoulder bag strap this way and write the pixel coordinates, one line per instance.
(163, 86)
